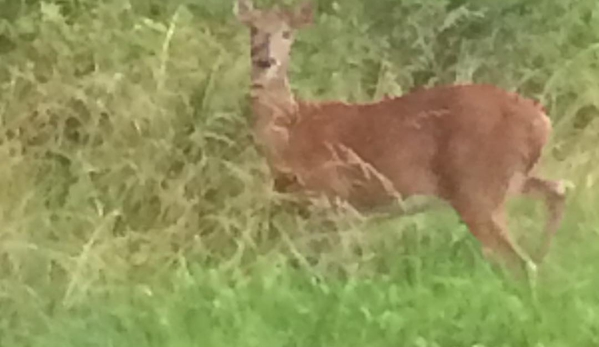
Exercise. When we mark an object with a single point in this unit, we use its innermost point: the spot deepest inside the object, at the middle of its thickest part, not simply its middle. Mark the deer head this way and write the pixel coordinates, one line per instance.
(272, 35)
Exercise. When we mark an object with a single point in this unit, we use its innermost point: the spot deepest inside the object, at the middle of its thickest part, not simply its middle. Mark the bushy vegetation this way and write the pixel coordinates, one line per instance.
(134, 209)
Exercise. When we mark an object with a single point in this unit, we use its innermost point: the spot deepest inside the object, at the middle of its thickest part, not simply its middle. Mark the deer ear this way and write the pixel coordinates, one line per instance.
(244, 10)
(303, 15)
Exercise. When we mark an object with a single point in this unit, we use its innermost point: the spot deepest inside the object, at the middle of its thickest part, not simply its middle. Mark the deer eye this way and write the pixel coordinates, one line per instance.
(287, 34)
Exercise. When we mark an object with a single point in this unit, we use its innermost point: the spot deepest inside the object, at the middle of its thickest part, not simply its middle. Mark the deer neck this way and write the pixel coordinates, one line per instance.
(273, 101)
(275, 112)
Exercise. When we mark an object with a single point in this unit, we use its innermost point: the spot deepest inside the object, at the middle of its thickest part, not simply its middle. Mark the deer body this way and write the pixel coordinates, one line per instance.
(430, 142)
(470, 145)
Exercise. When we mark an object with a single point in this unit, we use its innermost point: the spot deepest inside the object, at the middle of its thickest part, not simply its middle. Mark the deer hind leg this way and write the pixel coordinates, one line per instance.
(488, 224)
(554, 195)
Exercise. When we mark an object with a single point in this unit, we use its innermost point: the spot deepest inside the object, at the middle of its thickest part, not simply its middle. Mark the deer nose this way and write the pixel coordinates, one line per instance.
(265, 63)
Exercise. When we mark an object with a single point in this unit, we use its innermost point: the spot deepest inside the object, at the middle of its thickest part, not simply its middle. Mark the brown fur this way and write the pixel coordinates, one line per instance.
(470, 145)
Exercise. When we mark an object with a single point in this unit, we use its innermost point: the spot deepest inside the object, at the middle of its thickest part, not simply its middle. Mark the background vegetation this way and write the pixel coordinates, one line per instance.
(134, 209)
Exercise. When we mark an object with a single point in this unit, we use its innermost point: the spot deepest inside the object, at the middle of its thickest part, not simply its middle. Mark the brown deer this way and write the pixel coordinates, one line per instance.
(469, 145)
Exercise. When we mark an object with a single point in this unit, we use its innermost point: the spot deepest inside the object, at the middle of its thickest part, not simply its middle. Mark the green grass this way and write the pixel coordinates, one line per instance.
(135, 211)
(433, 302)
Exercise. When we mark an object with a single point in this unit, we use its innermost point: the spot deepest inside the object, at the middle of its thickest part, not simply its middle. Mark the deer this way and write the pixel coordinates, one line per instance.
(469, 145)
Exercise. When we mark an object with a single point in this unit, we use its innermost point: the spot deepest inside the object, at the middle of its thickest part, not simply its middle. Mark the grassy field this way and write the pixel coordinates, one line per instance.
(135, 211)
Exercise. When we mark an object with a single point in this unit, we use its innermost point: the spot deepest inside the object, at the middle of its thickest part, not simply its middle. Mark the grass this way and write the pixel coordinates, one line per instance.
(436, 303)
(134, 209)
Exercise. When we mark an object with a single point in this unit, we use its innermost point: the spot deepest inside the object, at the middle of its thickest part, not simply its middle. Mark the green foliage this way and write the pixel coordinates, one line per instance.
(134, 208)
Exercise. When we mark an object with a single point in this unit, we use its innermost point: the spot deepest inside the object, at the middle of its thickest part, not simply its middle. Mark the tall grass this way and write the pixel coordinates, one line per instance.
(134, 208)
